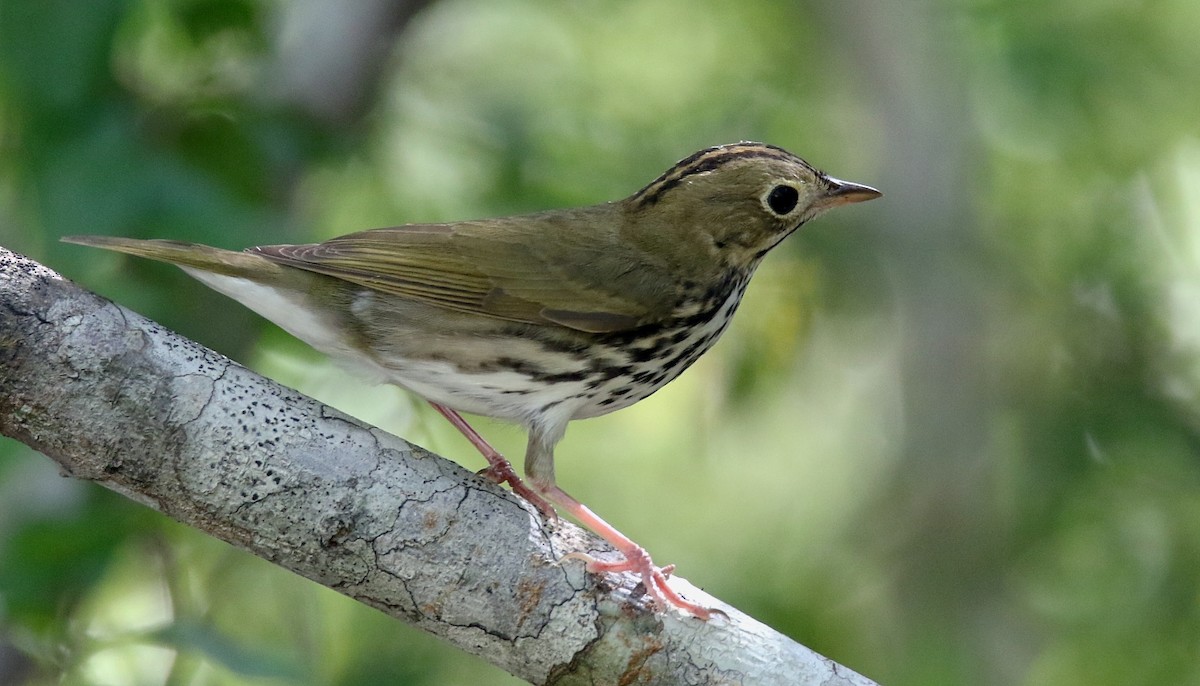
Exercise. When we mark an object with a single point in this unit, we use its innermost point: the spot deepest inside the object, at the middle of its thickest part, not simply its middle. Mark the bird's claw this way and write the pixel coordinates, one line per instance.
(501, 472)
(654, 579)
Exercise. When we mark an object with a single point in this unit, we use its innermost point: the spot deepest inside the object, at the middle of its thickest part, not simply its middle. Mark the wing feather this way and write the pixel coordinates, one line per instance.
(535, 269)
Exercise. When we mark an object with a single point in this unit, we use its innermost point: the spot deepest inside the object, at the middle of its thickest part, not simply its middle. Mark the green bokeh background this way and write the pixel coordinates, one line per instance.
(951, 438)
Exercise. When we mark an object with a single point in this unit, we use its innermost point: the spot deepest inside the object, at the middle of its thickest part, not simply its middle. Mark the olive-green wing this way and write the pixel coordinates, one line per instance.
(537, 269)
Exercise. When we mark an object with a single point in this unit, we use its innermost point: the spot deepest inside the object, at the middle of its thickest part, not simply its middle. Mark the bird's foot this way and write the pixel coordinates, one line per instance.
(499, 469)
(654, 579)
(637, 560)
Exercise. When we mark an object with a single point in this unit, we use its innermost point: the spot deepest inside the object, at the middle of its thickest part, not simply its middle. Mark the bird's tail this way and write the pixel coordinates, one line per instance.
(194, 255)
(285, 295)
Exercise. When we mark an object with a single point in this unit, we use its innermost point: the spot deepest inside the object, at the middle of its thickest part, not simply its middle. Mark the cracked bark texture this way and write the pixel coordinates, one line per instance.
(114, 398)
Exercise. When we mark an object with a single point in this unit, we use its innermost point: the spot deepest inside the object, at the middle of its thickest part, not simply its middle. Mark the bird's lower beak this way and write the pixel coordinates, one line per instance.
(845, 192)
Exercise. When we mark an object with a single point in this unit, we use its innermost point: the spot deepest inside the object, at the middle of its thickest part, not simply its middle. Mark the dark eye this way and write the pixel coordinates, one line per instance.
(782, 199)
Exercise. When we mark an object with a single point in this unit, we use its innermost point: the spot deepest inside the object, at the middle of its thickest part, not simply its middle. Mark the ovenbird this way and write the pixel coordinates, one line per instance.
(541, 318)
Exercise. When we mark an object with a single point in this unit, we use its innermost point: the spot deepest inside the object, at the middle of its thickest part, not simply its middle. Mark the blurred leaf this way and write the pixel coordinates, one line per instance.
(48, 564)
(249, 661)
(55, 53)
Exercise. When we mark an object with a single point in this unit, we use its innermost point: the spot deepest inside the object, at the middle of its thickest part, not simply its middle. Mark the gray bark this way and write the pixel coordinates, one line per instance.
(114, 398)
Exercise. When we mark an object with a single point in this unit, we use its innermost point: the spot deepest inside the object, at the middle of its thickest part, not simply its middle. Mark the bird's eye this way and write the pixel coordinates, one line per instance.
(782, 199)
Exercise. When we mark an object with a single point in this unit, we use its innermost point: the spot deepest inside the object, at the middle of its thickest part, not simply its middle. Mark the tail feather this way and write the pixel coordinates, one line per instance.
(194, 255)
(285, 295)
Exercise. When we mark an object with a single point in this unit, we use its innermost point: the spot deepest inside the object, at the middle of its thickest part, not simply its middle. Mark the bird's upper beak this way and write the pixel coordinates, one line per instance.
(845, 192)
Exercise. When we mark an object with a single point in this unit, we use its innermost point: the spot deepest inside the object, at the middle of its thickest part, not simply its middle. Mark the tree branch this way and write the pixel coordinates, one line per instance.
(116, 399)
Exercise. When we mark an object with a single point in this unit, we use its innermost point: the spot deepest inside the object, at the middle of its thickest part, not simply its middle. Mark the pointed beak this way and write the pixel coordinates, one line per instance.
(845, 192)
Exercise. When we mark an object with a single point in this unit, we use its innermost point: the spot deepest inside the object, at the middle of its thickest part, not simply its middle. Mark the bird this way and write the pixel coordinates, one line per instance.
(537, 319)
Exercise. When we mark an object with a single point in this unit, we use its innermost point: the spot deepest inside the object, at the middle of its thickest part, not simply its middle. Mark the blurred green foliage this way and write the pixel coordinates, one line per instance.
(951, 438)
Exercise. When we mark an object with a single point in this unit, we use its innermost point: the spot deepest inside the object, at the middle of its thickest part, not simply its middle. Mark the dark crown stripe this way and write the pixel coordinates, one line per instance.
(705, 161)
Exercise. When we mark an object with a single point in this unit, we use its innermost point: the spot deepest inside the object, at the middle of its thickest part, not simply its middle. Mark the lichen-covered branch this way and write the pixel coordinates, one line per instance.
(116, 399)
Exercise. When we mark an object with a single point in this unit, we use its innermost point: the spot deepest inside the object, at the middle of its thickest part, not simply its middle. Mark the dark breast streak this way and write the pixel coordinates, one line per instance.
(637, 363)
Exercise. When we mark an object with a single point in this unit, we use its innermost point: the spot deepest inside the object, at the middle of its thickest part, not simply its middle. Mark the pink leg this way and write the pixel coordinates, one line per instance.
(499, 469)
(637, 560)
